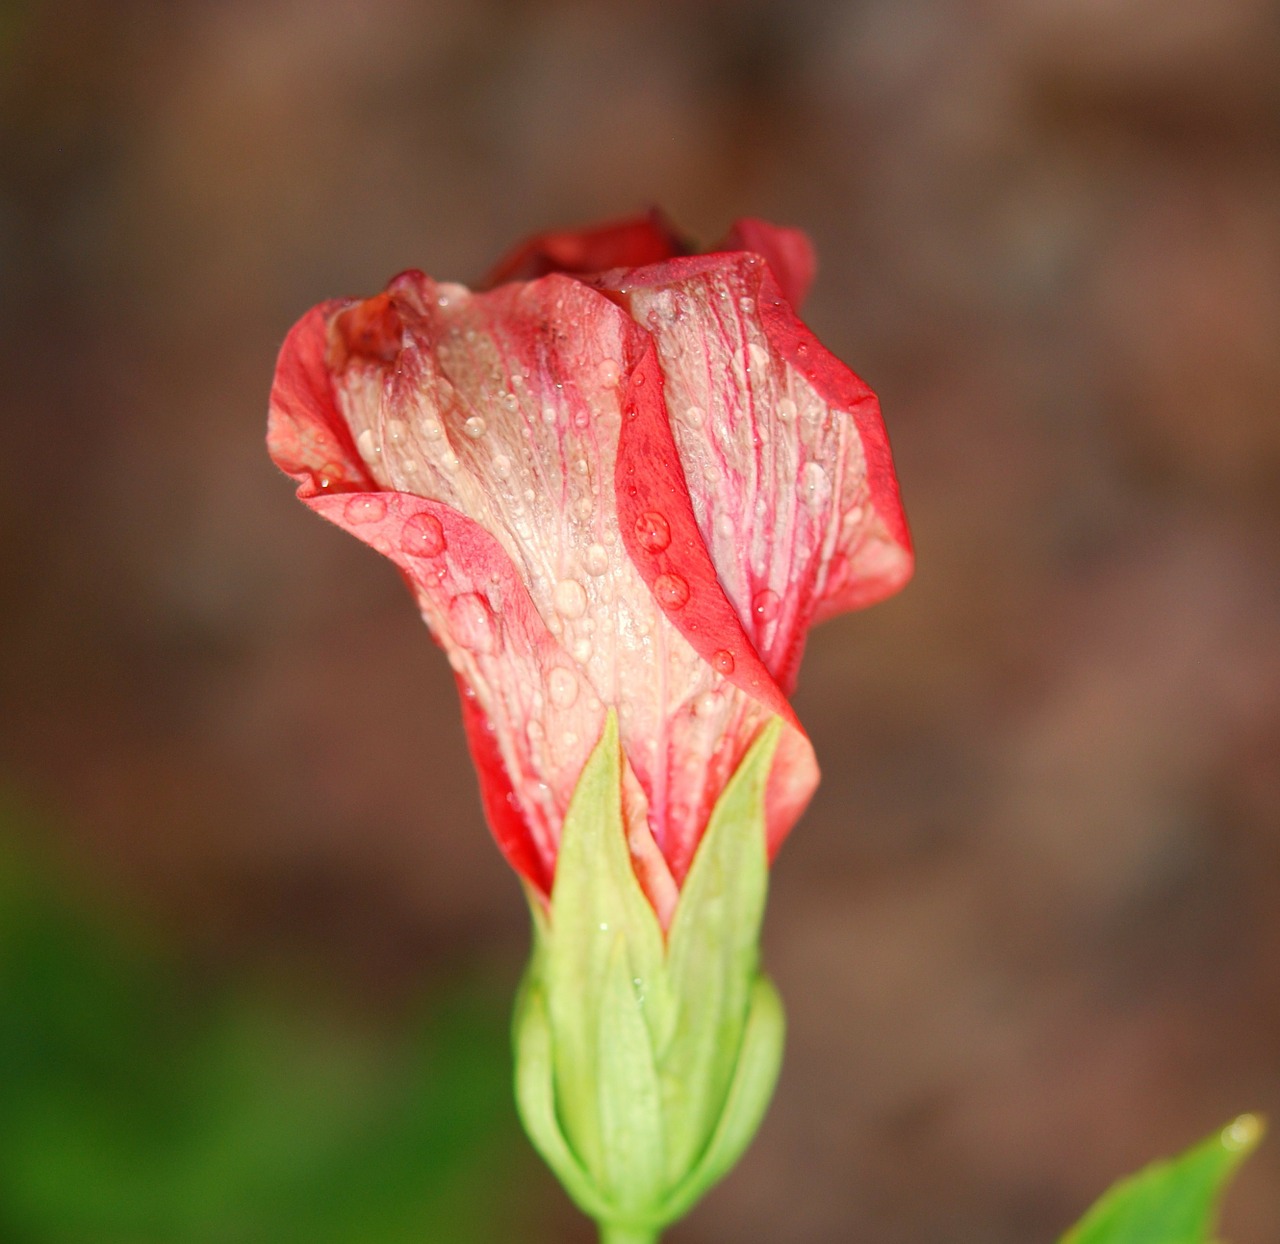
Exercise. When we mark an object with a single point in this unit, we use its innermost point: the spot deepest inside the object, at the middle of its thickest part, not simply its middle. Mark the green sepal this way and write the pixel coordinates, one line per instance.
(754, 1078)
(596, 903)
(1173, 1201)
(644, 1064)
(713, 955)
(536, 1099)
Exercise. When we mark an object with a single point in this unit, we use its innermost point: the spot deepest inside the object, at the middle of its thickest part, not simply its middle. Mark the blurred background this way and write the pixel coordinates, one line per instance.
(256, 948)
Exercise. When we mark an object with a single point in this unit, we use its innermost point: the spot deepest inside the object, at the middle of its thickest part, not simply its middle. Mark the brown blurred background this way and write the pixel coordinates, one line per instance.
(1029, 933)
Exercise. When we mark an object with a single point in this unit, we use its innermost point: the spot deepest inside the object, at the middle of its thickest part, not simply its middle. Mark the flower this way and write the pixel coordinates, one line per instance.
(625, 477)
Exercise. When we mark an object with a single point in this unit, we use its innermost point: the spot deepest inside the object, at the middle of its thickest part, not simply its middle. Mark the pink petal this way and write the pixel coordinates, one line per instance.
(782, 447)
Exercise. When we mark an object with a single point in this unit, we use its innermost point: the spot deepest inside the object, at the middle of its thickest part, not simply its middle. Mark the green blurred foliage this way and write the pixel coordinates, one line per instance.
(1174, 1201)
(136, 1108)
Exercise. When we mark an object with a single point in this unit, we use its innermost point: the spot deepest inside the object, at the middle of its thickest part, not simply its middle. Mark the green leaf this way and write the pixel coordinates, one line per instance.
(596, 902)
(1174, 1201)
(713, 954)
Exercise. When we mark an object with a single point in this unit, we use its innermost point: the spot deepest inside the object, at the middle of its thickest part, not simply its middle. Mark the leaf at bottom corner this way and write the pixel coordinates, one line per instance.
(1173, 1201)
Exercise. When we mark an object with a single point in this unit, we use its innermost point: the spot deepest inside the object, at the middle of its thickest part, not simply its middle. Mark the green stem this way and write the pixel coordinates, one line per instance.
(616, 1233)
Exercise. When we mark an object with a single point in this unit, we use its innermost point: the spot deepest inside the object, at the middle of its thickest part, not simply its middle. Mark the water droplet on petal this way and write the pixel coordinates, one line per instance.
(395, 430)
(815, 487)
(449, 460)
(581, 650)
(764, 604)
(422, 536)
(472, 622)
(608, 373)
(671, 590)
(596, 559)
(549, 415)
(695, 416)
(502, 466)
(707, 704)
(786, 409)
(570, 598)
(474, 427)
(365, 510)
(366, 445)
(562, 686)
(722, 661)
(724, 525)
(653, 532)
(330, 474)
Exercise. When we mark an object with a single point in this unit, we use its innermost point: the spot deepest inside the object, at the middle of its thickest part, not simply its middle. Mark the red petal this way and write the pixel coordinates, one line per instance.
(788, 252)
(619, 244)
(782, 448)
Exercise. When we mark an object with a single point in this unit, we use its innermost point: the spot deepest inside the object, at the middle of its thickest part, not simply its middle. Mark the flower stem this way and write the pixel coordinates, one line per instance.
(618, 1233)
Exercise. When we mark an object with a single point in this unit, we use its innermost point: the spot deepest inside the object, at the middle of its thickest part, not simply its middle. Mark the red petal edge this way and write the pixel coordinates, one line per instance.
(627, 243)
(788, 252)
(303, 410)
(649, 476)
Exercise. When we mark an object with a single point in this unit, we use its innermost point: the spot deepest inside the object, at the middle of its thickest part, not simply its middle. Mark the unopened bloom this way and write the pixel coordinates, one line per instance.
(624, 478)
(622, 484)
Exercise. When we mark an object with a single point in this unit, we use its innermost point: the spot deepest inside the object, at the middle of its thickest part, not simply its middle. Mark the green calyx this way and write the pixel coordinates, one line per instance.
(644, 1065)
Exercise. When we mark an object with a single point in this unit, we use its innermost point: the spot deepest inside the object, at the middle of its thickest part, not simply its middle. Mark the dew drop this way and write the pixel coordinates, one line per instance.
(472, 622)
(653, 531)
(395, 430)
(330, 474)
(786, 409)
(758, 356)
(695, 416)
(361, 510)
(596, 559)
(474, 427)
(422, 536)
(449, 460)
(671, 590)
(707, 704)
(724, 525)
(502, 466)
(815, 486)
(549, 415)
(562, 686)
(581, 650)
(722, 661)
(764, 604)
(365, 444)
(747, 305)
(570, 598)
(608, 372)
(510, 403)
